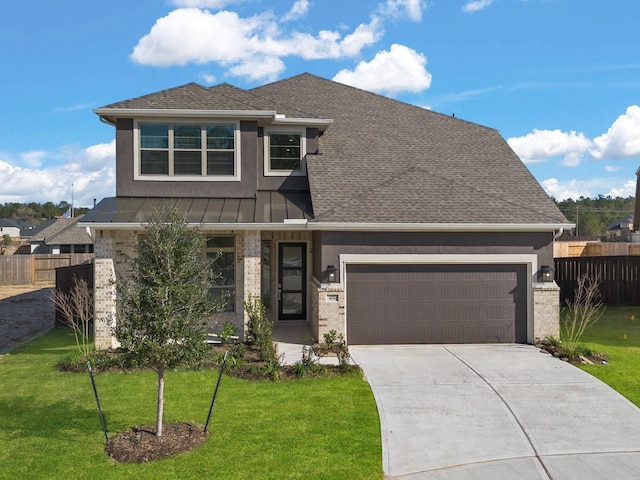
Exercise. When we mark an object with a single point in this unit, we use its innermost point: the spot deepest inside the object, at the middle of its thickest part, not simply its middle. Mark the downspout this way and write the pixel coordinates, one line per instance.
(557, 233)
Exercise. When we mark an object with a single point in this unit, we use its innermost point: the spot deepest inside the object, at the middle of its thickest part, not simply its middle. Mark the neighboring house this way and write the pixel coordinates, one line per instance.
(10, 227)
(620, 230)
(383, 221)
(62, 235)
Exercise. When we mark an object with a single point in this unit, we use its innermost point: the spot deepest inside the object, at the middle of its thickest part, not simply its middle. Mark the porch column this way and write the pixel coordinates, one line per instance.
(104, 303)
(251, 267)
(546, 310)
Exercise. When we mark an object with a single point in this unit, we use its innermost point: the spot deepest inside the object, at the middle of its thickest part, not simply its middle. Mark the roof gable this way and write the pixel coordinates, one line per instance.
(384, 160)
(63, 231)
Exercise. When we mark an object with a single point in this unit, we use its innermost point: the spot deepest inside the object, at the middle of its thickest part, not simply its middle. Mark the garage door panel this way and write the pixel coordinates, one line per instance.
(436, 303)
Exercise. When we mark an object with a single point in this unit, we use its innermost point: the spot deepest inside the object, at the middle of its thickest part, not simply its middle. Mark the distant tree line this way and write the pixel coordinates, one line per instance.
(593, 215)
(34, 214)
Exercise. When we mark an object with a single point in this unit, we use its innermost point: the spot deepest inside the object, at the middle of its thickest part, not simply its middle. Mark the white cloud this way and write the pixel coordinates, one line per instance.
(251, 47)
(34, 158)
(400, 69)
(90, 170)
(588, 188)
(298, 10)
(207, 77)
(627, 190)
(622, 140)
(256, 69)
(540, 145)
(612, 168)
(561, 191)
(476, 5)
(411, 9)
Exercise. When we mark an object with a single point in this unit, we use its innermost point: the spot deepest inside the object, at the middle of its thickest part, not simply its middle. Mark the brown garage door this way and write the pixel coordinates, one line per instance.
(391, 303)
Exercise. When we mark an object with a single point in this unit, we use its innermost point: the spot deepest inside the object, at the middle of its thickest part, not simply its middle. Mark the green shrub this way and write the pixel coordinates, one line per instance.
(260, 330)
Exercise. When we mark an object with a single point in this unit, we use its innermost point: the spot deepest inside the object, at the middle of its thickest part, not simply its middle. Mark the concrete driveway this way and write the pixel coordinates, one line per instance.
(497, 412)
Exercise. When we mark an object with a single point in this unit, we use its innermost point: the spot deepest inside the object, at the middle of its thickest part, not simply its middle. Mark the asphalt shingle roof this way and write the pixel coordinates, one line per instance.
(64, 231)
(386, 161)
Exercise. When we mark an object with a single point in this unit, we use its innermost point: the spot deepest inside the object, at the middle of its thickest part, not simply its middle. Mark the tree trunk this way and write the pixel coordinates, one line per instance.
(160, 413)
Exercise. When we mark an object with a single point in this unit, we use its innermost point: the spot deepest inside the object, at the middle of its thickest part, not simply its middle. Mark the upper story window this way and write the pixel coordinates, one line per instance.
(284, 152)
(187, 152)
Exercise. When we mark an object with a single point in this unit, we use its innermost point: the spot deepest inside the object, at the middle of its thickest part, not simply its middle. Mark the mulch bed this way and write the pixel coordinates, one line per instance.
(558, 352)
(139, 445)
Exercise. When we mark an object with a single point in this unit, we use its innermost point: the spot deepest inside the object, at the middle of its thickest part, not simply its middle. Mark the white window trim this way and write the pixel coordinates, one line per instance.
(267, 152)
(185, 178)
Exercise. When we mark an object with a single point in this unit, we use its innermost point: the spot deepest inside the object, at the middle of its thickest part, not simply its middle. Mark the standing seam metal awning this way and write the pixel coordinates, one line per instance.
(266, 207)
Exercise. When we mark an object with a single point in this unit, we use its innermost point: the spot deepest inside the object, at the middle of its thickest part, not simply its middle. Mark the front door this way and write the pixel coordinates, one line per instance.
(292, 281)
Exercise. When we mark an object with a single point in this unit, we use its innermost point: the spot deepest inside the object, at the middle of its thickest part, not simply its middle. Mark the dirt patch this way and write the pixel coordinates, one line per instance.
(139, 445)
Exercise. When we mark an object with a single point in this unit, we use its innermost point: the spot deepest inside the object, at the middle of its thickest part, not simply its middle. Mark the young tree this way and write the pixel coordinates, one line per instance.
(163, 309)
(76, 308)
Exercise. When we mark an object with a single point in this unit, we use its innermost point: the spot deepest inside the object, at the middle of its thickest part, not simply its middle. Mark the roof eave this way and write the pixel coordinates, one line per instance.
(110, 115)
(443, 227)
(340, 226)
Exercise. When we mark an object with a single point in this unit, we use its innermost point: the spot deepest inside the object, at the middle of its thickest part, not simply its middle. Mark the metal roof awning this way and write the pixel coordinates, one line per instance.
(267, 210)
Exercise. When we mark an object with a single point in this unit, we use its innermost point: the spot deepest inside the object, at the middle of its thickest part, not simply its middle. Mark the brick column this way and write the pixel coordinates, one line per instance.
(327, 309)
(104, 303)
(251, 268)
(546, 310)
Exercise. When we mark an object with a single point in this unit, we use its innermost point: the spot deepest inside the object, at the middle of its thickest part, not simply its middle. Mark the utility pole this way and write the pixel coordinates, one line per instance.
(577, 219)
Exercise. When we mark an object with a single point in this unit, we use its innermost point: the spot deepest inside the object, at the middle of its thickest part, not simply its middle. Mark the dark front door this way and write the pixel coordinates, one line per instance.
(292, 281)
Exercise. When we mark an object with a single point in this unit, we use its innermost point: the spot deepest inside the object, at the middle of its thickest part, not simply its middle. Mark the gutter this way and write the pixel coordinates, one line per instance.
(302, 224)
(110, 115)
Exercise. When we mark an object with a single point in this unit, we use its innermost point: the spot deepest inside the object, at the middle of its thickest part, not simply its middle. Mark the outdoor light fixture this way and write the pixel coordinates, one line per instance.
(547, 273)
(331, 273)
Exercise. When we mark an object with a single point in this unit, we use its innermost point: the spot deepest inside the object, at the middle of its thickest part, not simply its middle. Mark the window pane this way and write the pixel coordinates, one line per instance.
(187, 163)
(284, 151)
(220, 163)
(187, 136)
(292, 257)
(292, 303)
(221, 254)
(154, 162)
(265, 273)
(220, 137)
(223, 265)
(154, 136)
(220, 241)
(292, 280)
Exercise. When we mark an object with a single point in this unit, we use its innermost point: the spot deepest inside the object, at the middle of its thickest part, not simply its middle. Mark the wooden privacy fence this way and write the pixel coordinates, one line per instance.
(37, 269)
(66, 278)
(619, 277)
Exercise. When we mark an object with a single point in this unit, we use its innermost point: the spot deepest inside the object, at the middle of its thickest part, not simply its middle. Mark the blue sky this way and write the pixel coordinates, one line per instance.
(560, 79)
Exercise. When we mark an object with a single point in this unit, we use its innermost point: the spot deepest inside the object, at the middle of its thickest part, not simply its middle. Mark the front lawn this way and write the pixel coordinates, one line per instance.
(617, 334)
(325, 428)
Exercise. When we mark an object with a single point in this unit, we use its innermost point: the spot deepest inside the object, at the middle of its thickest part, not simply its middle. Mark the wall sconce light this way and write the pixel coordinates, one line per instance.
(331, 273)
(547, 273)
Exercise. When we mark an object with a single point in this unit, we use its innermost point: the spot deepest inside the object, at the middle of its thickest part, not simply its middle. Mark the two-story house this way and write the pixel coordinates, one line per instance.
(350, 211)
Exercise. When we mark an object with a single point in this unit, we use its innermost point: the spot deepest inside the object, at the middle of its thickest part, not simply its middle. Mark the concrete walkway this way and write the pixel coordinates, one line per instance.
(497, 412)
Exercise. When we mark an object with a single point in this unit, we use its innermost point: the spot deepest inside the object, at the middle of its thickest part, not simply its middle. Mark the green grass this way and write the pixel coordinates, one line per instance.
(325, 428)
(617, 334)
